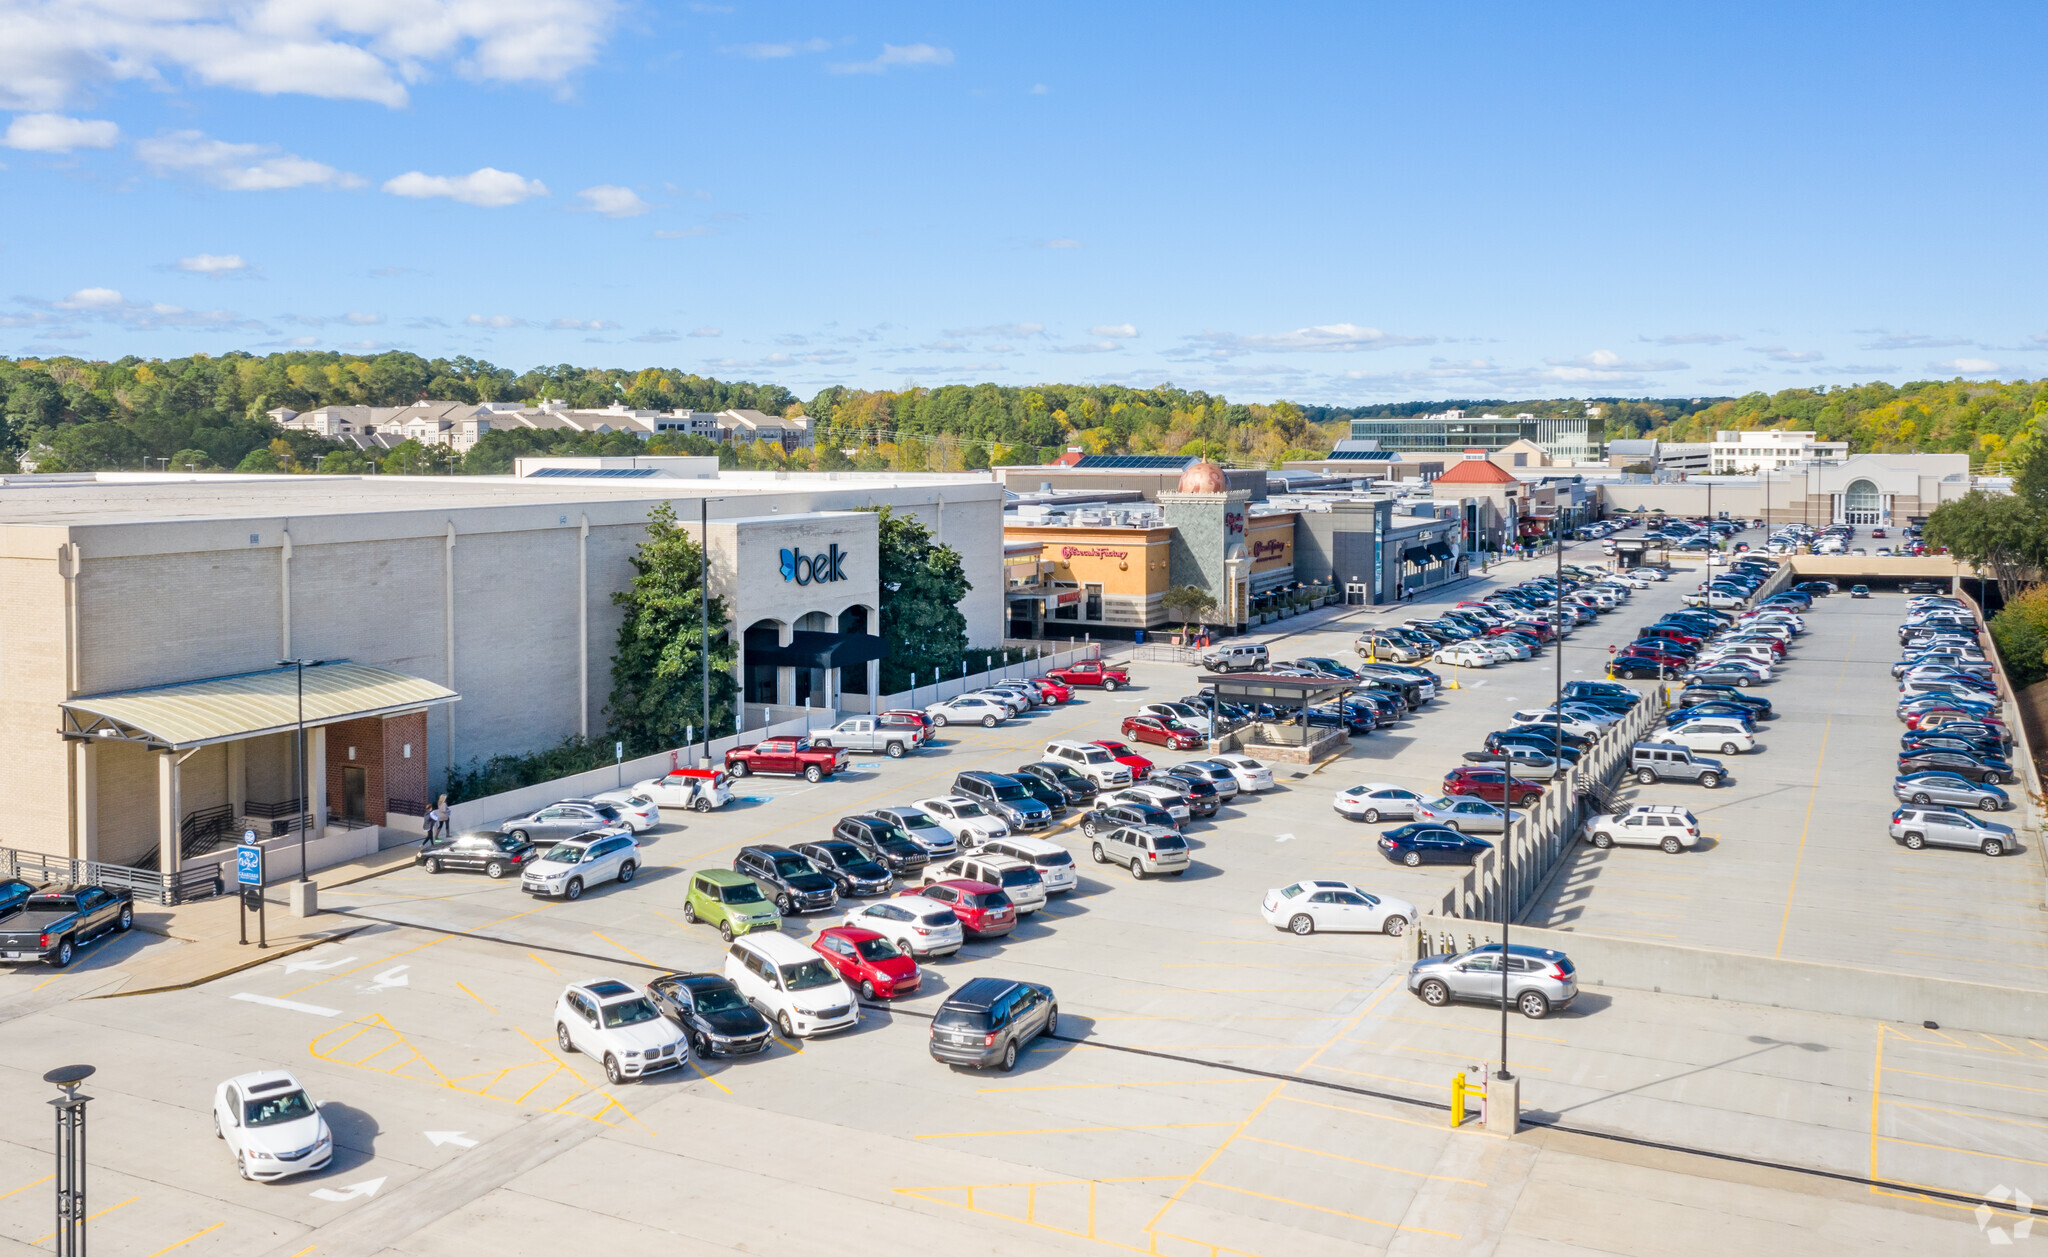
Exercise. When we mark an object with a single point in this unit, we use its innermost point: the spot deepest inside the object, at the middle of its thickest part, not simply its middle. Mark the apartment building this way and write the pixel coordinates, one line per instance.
(1771, 449)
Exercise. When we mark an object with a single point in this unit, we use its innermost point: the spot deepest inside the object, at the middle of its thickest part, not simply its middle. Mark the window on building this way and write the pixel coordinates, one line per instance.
(1092, 596)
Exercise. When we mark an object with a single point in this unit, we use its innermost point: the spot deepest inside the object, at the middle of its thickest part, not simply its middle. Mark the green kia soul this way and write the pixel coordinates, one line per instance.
(731, 901)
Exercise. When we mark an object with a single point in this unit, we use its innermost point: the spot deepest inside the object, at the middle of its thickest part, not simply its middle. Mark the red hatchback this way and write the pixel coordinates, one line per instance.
(984, 910)
(867, 961)
(1141, 768)
(1169, 734)
(1053, 691)
(1490, 784)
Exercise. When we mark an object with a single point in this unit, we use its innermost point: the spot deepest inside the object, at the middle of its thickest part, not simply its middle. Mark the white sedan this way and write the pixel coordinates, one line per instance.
(922, 927)
(969, 709)
(1252, 776)
(1306, 907)
(272, 1127)
(639, 811)
(1571, 724)
(963, 818)
(1466, 655)
(1374, 800)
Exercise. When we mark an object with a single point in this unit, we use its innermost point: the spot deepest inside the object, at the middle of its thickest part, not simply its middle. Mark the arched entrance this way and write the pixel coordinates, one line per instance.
(761, 682)
(809, 683)
(1863, 504)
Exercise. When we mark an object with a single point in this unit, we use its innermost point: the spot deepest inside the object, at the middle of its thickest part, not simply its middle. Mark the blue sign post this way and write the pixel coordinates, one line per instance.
(249, 866)
(249, 882)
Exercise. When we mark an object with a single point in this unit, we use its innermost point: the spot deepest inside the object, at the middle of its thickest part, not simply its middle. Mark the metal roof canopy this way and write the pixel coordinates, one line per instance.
(1260, 687)
(226, 709)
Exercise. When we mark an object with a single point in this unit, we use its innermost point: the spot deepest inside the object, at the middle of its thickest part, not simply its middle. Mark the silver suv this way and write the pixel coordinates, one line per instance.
(1919, 827)
(1144, 849)
(1652, 762)
(1538, 980)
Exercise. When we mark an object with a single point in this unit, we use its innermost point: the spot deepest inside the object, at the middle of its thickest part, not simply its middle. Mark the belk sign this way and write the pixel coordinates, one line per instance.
(806, 568)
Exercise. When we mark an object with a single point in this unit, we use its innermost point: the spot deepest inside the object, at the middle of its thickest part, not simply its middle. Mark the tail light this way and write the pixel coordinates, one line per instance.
(1557, 972)
(43, 940)
(989, 1039)
(1151, 855)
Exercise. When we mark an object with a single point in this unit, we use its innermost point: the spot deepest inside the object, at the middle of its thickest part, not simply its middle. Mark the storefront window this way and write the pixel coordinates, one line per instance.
(1092, 595)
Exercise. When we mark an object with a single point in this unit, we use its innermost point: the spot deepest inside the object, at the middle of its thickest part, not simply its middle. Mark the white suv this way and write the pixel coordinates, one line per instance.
(572, 867)
(964, 818)
(968, 709)
(1646, 825)
(1055, 867)
(616, 1024)
(790, 984)
(271, 1126)
(922, 927)
(1091, 761)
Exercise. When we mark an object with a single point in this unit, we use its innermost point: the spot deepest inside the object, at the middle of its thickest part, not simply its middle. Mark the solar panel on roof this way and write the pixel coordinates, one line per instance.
(1137, 462)
(1372, 456)
(598, 473)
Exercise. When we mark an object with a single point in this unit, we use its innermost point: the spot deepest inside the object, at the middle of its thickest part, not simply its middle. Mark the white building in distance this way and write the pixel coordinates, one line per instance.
(1772, 449)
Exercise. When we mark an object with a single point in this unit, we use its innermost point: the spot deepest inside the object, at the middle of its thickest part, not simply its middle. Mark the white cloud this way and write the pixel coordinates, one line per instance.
(1889, 341)
(213, 265)
(613, 201)
(93, 299)
(237, 167)
(1115, 331)
(58, 51)
(1326, 338)
(1778, 353)
(110, 305)
(998, 329)
(55, 133)
(301, 342)
(684, 234)
(1039, 89)
(493, 320)
(1692, 338)
(1865, 368)
(583, 325)
(895, 55)
(1060, 242)
(488, 187)
(656, 336)
(1088, 347)
(1966, 366)
(1604, 364)
(775, 52)
(357, 318)
(708, 331)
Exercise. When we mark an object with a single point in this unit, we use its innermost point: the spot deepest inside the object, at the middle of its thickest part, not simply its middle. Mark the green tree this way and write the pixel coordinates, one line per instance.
(657, 668)
(193, 460)
(2001, 532)
(922, 583)
(345, 463)
(2021, 630)
(1189, 603)
(259, 461)
(408, 457)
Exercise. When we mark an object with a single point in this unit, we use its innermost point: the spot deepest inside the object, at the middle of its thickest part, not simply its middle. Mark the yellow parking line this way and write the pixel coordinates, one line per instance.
(25, 1186)
(542, 963)
(188, 1239)
(101, 1214)
(708, 1078)
(1980, 1117)
(478, 998)
(791, 1046)
(1067, 1130)
(1317, 1152)
(1813, 797)
(1968, 1082)
(629, 951)
(1968, 1152)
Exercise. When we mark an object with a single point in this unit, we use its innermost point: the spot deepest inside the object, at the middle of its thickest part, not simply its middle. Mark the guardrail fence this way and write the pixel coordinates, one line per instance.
(146, 885)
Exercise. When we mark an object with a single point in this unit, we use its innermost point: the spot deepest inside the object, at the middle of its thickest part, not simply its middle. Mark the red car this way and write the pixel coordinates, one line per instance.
(1170, 734)
(1053, 691)
(1140, 767)
(905, 717)
(1078, 675)
(785, 757)
(1490, 784)
(867, 961)
(984, 910)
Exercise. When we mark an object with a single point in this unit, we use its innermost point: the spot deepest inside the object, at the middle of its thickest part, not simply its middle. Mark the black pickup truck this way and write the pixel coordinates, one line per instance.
(51, 924)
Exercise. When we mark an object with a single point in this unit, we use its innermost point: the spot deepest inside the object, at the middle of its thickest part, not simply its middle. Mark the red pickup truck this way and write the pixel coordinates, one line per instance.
(1090, 674)
(785, 757)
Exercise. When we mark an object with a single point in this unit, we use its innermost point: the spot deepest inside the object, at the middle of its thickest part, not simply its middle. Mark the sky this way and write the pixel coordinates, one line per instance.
(1334, 203)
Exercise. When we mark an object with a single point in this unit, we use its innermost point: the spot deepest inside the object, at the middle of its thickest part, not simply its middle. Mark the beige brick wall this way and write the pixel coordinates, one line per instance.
(154, 619)
(515, 641)
(34, 762)
(127, 801)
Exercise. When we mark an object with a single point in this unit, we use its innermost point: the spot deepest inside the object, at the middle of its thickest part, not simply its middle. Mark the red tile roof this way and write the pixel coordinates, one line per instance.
(1475, 471)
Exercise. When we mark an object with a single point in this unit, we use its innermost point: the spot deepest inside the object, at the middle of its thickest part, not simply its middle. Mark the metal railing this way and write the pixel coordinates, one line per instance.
(204, 830)
(145, 884)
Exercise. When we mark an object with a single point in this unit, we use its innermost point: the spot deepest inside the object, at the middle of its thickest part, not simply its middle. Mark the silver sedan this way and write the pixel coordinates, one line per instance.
(1464, 814)
(1950, 788)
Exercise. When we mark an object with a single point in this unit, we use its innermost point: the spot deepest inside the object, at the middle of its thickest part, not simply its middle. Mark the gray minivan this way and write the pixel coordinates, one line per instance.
(1652, 762)
(1144, 849)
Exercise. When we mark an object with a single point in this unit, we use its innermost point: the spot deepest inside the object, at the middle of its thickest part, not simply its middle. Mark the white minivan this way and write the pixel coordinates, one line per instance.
(1709, 733)
(1055, 867)
(790, 985)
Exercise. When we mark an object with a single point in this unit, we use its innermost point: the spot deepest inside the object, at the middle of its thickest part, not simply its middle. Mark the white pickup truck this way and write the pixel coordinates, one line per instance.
(865, 733)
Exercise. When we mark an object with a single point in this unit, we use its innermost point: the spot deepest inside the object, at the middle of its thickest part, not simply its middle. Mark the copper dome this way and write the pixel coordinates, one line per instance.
(1203, 477)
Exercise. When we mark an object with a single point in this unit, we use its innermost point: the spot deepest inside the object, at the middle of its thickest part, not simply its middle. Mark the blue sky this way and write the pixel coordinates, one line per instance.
(1336, 203)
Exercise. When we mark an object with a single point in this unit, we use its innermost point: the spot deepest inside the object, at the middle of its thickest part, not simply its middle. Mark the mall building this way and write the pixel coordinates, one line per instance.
(144, 714)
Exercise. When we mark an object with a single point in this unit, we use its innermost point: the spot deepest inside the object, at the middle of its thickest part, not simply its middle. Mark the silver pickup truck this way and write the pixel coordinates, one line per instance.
(866, 733)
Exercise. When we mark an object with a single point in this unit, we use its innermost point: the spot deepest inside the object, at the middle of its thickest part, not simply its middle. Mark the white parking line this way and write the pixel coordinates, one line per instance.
(293, 1005)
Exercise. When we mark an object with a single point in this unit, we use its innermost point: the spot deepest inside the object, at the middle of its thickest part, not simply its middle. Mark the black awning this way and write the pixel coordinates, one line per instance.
(811, 649)
(1417, 555)
(1438, 550)
(1283, 692)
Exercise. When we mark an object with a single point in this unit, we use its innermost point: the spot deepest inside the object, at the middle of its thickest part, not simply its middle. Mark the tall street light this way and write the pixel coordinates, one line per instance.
(299, 753)
(704, 614)
(70, 1175)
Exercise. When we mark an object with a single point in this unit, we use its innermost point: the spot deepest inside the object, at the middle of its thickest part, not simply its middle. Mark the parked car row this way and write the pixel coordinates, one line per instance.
(1956, 751)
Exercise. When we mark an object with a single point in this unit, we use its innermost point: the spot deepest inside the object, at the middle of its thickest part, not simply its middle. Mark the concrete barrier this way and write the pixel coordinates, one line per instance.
(1871, 994)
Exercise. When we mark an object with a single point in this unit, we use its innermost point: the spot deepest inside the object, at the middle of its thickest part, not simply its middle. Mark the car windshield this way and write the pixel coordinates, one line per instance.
(793, 866)
(717, 999)
(808, 974)
(271, 1110)
(1053, 860)
(991, 900)
(627, 1012)
(897, 845)
(1096, 755)
(747, 893)
(1012, 791)
(919, 820)
(877, 949)
(937, 918)
(968, 808)
(564, 853)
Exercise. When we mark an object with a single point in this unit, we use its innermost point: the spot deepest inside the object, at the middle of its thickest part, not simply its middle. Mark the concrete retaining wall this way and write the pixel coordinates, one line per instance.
(1877, 995)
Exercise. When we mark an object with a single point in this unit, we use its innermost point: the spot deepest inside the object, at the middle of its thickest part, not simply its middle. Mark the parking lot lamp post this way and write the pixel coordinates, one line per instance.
(1507, 833)
(704, 612)
(299, 666)
(1557, 737)
(70, 1175)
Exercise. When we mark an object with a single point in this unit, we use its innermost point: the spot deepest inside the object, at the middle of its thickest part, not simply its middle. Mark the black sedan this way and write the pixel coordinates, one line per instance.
(480, 851)
(718, 1020)
(1544, 740)
(1942, 738)
(1692, 694)
(1990, 771)
(1110, 815)
(1430, 844)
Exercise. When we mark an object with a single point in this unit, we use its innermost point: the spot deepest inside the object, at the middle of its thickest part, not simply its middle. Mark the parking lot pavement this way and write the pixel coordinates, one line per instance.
(1799, 864)
(1217, 1085)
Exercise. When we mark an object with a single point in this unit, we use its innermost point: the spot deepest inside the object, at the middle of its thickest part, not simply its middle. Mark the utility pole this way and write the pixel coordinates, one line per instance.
(299, 753)
(70, 1175)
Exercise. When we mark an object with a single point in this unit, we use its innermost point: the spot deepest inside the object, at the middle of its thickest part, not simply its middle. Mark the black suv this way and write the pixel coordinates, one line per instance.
(1007, 798)
(989, 1020)
(789, 879)
(852, 872)
(716, 1016)
(1079, 791)
(884, 842)
(1202, 797)
(484, 851)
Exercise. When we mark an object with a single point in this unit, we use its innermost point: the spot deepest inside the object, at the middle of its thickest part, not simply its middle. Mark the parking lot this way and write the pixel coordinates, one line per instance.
(1217, 1086)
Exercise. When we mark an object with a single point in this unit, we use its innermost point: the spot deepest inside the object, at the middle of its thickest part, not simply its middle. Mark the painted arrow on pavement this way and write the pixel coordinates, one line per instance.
(455, 1137)
(1283, 838)
(368, 1187)
(296, 966)
(390, 979)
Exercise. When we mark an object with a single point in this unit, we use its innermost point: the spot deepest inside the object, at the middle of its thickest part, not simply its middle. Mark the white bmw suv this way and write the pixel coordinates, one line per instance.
(617, 1025)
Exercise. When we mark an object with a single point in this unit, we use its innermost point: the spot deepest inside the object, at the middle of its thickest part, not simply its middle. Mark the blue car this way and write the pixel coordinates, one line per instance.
(1730, 711)
(1430, 844)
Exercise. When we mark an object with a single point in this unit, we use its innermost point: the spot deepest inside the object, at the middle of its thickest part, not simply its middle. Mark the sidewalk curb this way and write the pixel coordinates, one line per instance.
(269, 954)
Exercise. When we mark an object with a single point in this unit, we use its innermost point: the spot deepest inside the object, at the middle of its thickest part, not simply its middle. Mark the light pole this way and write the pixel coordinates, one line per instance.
(299, 752)
(70, 1176)
(704, 613)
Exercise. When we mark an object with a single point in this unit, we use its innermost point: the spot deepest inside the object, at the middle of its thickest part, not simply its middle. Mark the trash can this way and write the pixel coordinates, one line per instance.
(1140, 635)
